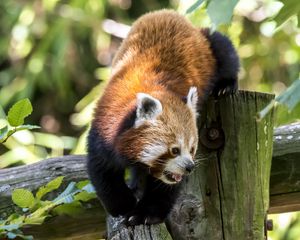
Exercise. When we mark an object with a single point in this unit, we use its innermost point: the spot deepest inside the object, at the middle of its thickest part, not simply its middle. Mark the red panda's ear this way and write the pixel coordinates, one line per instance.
(148, 108)
(192, 99)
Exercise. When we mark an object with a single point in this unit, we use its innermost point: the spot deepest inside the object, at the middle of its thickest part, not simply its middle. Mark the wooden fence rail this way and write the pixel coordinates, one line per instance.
(284, 181)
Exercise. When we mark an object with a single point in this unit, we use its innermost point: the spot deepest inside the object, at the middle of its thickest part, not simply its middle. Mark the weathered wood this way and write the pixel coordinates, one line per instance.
(118, 231)
(233, 180)
(285, 174)
(284, 188)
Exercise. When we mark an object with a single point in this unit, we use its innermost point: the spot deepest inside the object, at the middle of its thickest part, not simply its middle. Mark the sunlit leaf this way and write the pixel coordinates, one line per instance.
(11, 235)
(35, 220)
(3, 132)
(220, 12)
(71, 209)
(23, 198)
(10, 227)
(194, 6)
(89, 188)
(19, 220)
(82, 184)
(67, 195)
(52, 185)
(289, 9)
(27, 237)
(290, 98)
(85, 196)
(18, 112)
(27, 127)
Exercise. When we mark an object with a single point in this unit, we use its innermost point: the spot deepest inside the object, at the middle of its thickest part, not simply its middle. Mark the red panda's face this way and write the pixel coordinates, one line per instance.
(164, 137)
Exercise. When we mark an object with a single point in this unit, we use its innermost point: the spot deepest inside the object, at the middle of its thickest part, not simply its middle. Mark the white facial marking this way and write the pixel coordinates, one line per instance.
(152, 152)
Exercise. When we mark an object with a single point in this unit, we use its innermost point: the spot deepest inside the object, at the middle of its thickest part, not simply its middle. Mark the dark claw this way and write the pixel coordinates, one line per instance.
(134, 220)
(153, 220)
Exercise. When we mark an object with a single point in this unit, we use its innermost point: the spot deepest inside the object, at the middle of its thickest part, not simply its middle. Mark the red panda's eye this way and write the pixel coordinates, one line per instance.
(175, 151)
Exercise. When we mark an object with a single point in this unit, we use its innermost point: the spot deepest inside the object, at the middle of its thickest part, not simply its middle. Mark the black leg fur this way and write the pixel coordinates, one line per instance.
(156, 203)
(107, 176)
(225, 80)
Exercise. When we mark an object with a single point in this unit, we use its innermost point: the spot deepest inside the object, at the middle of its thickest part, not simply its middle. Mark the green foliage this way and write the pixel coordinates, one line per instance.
(290, 8)
(37, 210)
(289, 98)
(52, 185)
(18, 112)
(220, 12)
(16, 115)
(196, 5)
(23, 198)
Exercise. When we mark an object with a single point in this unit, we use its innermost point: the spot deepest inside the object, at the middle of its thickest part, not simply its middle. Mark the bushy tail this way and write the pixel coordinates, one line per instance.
(227, 63)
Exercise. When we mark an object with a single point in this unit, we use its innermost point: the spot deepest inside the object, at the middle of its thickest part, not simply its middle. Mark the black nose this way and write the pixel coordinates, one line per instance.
(189, 167)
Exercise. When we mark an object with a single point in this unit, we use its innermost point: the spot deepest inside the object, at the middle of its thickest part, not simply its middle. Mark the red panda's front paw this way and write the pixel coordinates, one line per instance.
(142, 219)
(146, 215)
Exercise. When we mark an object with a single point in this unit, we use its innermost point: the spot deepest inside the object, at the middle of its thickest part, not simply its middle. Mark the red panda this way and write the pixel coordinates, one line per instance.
(146, 118)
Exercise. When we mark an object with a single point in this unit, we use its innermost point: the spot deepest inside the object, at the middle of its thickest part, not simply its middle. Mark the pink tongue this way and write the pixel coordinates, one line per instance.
(177, 177)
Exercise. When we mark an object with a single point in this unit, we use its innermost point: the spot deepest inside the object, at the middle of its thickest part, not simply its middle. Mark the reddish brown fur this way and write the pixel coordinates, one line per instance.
(163, 55)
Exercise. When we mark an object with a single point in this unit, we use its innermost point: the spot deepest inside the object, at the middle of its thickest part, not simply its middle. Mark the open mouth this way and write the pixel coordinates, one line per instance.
(173, 177)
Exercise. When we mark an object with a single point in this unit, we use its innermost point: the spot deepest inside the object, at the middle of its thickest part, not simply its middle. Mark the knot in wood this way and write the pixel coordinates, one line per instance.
(213, 134)
(212, 137)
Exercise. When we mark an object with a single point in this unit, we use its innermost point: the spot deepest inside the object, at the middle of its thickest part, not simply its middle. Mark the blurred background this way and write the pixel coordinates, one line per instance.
(58, 54)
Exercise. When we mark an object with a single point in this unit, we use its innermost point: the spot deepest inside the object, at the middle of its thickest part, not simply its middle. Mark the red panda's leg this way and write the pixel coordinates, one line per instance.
(107, 176)
(156, 203)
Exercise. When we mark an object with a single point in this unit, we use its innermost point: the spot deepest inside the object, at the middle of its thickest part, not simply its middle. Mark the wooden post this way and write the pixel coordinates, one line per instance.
(227, 197)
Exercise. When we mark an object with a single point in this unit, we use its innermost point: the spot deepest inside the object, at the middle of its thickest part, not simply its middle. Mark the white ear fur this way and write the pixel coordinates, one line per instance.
(148, 108)
(192, 99)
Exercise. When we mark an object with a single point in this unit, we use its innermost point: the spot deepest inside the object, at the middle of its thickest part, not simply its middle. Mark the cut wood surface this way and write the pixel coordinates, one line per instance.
(284, 188)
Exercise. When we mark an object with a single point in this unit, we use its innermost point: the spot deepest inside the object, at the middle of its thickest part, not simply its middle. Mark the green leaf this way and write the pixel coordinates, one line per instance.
(194, 6)
(11, 235)
(35, 220)
(89, 188)
(10, 227)
(23, 198)
(52, 185)
(82, 184)
(289, 9)
(18, 112)
(67, 195)
(19, 220)
(290, 98)
(70, 209)
(27, 127)
(85, 196)
(3, 132)
(220, 12)
(27, 237)
(12, 217)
